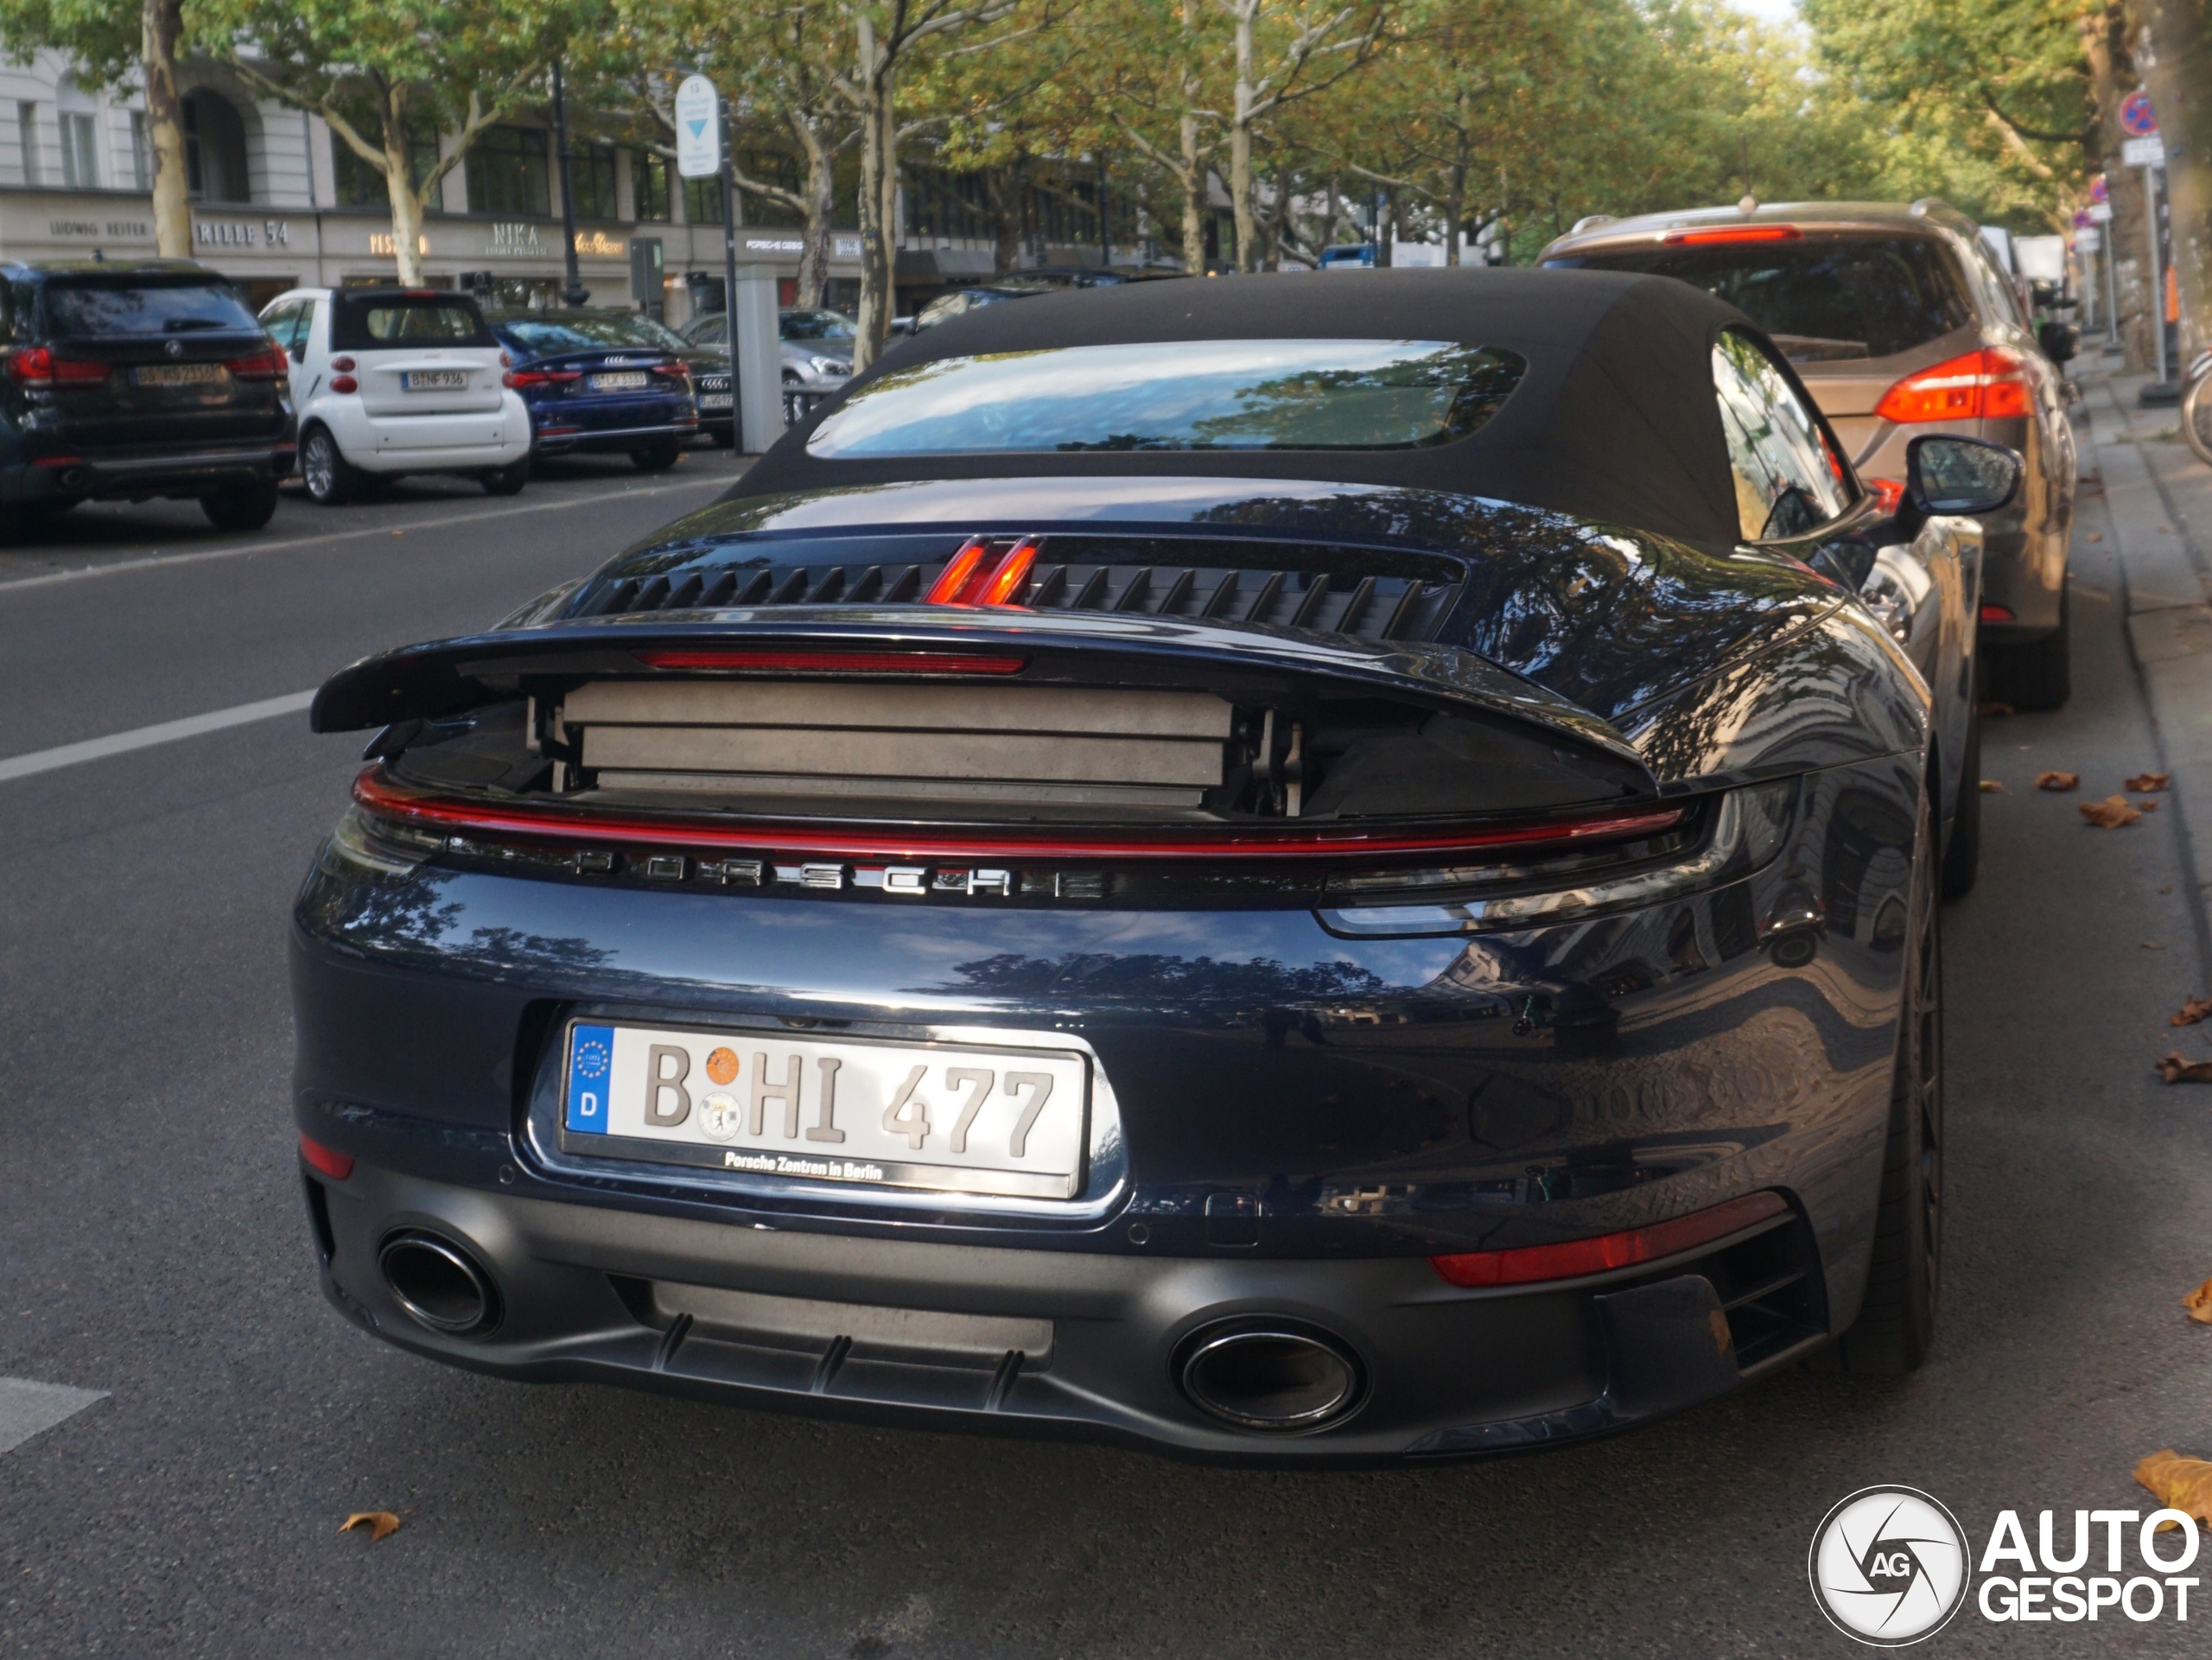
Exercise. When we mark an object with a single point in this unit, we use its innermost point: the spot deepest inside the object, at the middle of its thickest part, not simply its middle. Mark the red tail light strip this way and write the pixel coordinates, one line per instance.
(269, 365)
(839, 662)
(958, 569)
(1991, 384)
(973, 577)
(378, 794)
(1480, 1269)
(1742, 233)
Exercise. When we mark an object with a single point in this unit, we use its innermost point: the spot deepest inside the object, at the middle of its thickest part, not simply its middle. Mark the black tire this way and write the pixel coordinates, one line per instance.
(1962, 858)
(2197, 418)
(656, 458)
(330, 478)
(2038, 676)
(1896, 1320)
(505, 480)
(245, 507)
(723, 437)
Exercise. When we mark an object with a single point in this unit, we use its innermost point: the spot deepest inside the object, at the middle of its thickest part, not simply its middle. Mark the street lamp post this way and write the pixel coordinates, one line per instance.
(575, 293)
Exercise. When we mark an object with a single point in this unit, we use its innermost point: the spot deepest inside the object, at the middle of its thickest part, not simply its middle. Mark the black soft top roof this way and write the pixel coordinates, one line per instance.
(1615, 420)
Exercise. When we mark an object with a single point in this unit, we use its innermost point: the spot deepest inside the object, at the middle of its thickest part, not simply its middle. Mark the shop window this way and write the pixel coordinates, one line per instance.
(508, 174)
(591, 177)
(702, 201)
(360, 185)
(649, 185)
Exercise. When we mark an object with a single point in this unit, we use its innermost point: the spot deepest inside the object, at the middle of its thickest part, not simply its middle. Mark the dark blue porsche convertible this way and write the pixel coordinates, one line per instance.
(1304, 871)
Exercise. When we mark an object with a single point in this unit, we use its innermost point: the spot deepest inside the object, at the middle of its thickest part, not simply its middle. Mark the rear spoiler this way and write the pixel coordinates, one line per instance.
(449, 677)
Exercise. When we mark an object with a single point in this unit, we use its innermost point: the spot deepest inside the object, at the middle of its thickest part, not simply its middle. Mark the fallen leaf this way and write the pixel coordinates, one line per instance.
(1990, 786)
(380, 1524)
(2094, 537)
(2152, 944)
(2180, 1484)
(2147, 806)
(2199, 1304)
(2176, 1069)
(1992, 711)
(2111, 813)
(2058, 783)
(2145, 781)
(2193, 1010)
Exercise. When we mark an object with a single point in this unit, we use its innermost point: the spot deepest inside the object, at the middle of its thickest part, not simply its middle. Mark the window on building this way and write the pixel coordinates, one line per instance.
(81, 157)
(508, 174)
(649, 185)
(27, 133)
(360, 185)
(214, 149)
(702, 201)
(141, 152)
(591, 177)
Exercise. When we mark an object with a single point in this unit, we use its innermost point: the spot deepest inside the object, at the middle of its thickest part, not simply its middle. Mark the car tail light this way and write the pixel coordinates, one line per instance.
(674, 371)
(269, 364)
(343, 383)
(1574, 1258)
(1997, 613)
(1736, 233)
(838, 662)
(506, 361)
(974, 577)
(342, 365)
(1989, 384)
(517, 379)
(332, 1163)
(37, 366)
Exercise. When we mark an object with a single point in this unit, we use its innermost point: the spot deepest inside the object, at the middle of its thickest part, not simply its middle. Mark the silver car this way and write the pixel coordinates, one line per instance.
(817, 346)
(1900, 323)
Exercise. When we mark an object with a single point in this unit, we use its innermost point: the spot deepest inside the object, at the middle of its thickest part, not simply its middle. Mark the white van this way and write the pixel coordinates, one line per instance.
(390, 381)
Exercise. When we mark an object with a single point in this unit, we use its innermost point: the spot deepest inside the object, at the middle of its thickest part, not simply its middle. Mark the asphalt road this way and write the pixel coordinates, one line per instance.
(152, 1246)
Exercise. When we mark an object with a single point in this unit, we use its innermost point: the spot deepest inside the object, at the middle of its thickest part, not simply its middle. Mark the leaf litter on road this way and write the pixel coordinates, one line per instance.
(1990, 786)
(2191, 1012)
(380, 1524)
(2199, 1304)
(2180, 1484)
(2145, 782)
(2058, 783)
(2178, 1068)
(2111, 813)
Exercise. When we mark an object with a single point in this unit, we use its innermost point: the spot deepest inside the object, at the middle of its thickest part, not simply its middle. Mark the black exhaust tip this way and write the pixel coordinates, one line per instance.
(1274, 1377)
(439, 1283)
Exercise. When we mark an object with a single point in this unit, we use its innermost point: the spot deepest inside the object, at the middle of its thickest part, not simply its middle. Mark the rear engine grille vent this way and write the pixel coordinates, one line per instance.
(1364, 595)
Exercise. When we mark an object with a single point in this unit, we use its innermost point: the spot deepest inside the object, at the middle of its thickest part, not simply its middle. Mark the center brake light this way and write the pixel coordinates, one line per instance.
(790, 662)
(1574, 1258)
(972, 576)
(1734, 234)
(1989, 384)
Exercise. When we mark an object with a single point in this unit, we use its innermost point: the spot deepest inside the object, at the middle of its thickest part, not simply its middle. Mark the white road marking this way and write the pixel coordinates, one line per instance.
(27, 1408)
(80, 572)
(144, 737)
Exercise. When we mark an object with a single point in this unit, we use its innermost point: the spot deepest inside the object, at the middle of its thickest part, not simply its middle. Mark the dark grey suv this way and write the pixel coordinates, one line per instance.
(1900, 323)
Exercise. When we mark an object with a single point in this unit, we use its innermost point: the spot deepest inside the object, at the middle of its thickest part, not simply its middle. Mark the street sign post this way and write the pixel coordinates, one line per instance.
(2142, 152)
(2146, 148)
(698, 129)
(2136, 115)
(700, 155)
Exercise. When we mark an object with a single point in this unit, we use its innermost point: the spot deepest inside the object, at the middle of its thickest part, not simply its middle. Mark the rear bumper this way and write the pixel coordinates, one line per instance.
(143, 474)
(1055, 1345)
(560, 439)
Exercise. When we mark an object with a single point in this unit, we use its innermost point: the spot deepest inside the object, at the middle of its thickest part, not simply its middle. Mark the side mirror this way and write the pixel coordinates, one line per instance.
(2058, 340)
(1945, 474)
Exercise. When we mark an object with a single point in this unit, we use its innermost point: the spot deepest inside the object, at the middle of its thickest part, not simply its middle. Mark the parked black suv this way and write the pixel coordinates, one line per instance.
(138, 380)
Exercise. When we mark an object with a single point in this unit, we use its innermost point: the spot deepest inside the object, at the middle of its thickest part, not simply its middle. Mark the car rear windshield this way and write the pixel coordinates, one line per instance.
(1263, 394)
(545, 333)
(378, 322)
(1818, 299)
(77, 309)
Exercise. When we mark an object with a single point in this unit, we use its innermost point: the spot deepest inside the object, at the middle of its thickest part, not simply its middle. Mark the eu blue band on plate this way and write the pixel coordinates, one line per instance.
(591, 1065)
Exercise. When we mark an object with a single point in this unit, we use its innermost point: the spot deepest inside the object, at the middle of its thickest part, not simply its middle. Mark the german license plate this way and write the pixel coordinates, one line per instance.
(1006, 1120)
(176, 374)
(436, 380)
(713, 400)
(628, 380)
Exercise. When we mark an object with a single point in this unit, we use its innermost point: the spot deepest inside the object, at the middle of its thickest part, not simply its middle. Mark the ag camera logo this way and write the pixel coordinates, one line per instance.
(1889, 1565)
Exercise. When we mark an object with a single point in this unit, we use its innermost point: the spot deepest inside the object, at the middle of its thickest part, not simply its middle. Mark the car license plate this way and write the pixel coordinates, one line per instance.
(713, 400)
(177, 374)
(628, 380)
(952, 1117)
(436, 380)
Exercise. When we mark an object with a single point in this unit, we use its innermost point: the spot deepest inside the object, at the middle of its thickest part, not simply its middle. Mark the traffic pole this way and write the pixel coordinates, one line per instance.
(2157, 269)
(730, 288)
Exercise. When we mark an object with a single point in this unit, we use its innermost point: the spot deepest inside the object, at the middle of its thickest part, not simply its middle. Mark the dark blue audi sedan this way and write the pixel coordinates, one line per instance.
(1327, 872)
(597, 381)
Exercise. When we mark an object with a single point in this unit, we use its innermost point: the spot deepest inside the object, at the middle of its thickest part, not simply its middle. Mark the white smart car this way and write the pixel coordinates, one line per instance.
(390, 381)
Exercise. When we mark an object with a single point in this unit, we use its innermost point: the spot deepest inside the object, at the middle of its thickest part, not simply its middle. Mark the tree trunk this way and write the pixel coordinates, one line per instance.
(821, 204)
(1240, 142)
(2104, 44)
(406, 200)
(1193, 179)
(1455, 196)
(1386, 230)
(2178, 68)
(162, 21)
(1003, 187)
(878, 198)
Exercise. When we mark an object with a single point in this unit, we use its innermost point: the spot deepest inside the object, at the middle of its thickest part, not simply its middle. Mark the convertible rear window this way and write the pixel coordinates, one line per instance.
(370, 322)
(76, 310)
(1258, 394)
(1819, 300)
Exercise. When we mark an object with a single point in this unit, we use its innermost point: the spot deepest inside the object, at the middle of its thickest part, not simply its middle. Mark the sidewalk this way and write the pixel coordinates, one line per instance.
(2144, 487)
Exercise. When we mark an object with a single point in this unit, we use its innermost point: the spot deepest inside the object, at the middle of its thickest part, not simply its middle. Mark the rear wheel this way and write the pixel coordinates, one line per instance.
(244, 507)
(656, 458)
(1962, 858)
(2197, 418)
(2040, 676)
(1896, 1320)
(505, 480)
(723, 437)
(330, 479)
